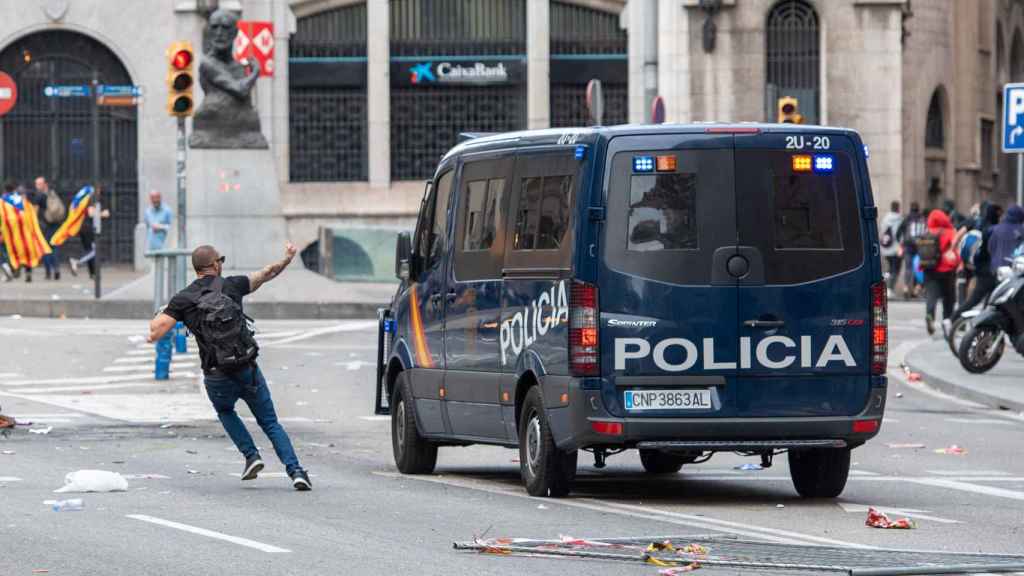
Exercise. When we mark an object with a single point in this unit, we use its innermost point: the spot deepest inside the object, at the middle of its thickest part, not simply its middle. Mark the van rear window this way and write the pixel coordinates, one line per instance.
(662, 212)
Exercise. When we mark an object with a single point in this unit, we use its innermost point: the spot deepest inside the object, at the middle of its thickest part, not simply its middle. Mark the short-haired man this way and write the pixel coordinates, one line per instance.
(226, 385)
(158, 221)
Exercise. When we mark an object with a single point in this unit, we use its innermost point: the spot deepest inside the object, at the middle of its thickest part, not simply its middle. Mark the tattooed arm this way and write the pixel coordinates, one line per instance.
(270, 271)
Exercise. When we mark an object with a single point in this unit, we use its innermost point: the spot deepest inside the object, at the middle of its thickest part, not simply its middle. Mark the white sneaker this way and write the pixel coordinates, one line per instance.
(74, 266)
(947, 327)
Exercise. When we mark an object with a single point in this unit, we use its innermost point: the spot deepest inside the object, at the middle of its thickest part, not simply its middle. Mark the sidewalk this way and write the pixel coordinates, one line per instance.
(296, 294)
(1002, 387)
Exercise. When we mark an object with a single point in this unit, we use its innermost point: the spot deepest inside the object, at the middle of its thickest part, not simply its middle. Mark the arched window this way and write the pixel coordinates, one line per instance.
(1017, 58)
(793, 54)
(934, 136)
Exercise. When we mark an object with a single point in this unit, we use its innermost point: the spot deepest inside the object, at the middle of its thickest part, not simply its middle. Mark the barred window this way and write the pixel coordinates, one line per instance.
(793, 58)
(327, 96)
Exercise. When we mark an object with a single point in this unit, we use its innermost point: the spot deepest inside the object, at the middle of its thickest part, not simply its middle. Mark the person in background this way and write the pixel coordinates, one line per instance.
(1006, 236)
(87, 235)
(940, 281)
(911, 229)
(158, 222)
(955, 217)
(890, 243)
(5, 266)
(984, 270)
(51, 212)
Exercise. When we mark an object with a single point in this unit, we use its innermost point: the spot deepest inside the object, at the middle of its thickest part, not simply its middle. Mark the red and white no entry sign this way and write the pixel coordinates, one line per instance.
(8, 93)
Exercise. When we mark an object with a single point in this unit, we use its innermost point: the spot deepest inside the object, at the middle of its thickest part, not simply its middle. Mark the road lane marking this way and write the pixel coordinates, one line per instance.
(210, 534)
(353, 327)
(148, 384)
(970, 487)
(968, 472)
(384, 418)
(913, 513)
(9, 479)
(93, 379)
(982, 421)
(5, 375)
(643, 513)
(146, 352)
(144, 368)
(45, 416)
(137, 360)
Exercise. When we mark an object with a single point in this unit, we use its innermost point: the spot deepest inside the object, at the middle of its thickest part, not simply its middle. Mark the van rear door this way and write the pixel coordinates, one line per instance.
(668, 325)
(804, 305)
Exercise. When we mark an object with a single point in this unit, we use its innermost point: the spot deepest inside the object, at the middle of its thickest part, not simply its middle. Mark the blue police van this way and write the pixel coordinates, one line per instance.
(677, 289)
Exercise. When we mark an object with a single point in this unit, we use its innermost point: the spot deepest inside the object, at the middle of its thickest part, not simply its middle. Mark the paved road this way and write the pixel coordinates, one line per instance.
(187, 512)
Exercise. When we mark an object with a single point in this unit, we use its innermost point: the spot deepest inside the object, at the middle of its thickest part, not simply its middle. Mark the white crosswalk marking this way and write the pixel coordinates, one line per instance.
(148, 368)
(151, 359)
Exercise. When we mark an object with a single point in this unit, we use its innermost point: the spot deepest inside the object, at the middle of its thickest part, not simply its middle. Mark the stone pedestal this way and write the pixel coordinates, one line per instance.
(234, 204)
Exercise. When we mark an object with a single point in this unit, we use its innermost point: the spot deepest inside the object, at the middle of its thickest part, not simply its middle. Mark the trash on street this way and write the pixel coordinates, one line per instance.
(952, 450)
(899, 446)
(748, 466)
(42, 431)
(93, 481)
(878, 519)
(70, 505)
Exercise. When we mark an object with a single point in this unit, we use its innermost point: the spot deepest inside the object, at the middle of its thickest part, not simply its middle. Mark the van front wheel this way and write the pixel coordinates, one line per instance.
(656, 462)
(546, 470)
(819, 472)
(413, 453)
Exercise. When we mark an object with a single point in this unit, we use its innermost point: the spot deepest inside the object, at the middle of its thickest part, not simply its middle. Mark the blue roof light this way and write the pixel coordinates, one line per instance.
(581, 151)
(643, 164)
(824, 163)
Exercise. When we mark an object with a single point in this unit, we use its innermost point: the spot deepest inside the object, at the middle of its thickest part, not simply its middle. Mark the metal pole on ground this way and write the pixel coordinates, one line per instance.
(180, 177)
(1020, 179)
(97, 219)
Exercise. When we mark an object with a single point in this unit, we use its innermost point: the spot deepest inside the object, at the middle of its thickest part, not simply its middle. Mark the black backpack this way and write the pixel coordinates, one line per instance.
(224, 328)
(927, 250)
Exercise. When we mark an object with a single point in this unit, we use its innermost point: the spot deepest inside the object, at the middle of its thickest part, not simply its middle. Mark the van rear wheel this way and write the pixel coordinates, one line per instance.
(656, 462)
(413, 453)
(819, 472)
(546, 470)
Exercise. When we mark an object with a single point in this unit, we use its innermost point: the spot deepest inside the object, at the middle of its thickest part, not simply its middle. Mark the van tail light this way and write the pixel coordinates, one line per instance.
(865, 426)
(584, 359)
(879, 330)
(607, 428)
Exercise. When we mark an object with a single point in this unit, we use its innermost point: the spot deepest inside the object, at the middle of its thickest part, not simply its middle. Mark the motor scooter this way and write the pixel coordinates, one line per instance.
(998, 324)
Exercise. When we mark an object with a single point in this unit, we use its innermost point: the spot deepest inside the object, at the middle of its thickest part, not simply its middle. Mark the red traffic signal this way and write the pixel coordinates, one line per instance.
(182, 59)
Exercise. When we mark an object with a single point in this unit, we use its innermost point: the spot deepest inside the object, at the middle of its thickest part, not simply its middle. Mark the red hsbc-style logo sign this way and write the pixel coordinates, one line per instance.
(255, 43)
(8, 93)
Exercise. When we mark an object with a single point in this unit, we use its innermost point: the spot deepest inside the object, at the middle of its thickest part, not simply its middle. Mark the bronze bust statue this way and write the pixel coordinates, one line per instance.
(226, 118)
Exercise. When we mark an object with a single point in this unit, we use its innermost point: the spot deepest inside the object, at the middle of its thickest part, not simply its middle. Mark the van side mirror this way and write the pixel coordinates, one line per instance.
(403, 256)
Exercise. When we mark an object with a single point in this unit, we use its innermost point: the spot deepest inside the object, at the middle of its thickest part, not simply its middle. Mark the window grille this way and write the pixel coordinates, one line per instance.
(793, 59)
(933, 133)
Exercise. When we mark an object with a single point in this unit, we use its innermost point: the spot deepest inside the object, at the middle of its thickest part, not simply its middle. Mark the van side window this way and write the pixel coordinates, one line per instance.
(431, 241)
(483, 197)
(806, 213)
(542, 221)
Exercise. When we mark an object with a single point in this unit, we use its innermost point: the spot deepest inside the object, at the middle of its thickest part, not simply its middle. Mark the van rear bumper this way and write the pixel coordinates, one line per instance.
(573, 426)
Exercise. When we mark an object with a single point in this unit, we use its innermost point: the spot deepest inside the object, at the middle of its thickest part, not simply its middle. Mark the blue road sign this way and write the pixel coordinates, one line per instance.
(123, 90)
(1013, 118)
(67, 91)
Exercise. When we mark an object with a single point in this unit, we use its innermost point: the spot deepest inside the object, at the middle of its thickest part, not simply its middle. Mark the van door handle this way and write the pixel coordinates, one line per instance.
(764, 323)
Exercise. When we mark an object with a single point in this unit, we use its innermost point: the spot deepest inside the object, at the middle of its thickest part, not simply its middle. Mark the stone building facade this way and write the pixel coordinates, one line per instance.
(351, 120)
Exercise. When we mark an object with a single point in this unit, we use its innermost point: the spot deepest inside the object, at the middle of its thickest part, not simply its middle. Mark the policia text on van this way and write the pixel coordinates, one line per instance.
(682, 290)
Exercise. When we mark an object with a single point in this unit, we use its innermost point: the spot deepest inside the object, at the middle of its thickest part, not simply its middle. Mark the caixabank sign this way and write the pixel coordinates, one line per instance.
(457, 72)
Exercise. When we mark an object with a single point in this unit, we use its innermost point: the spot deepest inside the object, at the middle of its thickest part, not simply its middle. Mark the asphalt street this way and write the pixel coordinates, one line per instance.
(186, 511)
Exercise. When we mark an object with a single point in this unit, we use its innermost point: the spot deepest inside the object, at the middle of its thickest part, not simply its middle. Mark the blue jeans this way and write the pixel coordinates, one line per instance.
(225, 389)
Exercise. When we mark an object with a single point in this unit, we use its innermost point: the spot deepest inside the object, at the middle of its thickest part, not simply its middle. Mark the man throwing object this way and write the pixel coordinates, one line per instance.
(211, 308)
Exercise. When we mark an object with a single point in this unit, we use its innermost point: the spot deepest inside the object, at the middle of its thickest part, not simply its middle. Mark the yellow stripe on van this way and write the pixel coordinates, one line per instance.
(423, 358)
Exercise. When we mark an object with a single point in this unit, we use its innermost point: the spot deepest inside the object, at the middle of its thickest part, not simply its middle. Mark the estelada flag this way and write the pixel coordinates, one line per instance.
(23, 239)
(76, 215)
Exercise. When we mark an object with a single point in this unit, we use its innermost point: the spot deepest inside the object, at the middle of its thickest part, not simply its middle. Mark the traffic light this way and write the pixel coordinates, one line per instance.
(180, 79)
(789, 111)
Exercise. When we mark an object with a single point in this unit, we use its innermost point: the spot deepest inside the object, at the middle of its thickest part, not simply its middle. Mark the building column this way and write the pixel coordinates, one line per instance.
(642, 23)
(378, 92)
(538, 64)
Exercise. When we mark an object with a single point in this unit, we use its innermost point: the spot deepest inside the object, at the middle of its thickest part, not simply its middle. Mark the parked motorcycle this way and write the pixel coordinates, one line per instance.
(999, 323)
(963, 323)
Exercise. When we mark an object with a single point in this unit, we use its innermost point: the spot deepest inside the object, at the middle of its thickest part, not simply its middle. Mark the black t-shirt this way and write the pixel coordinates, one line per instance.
(184, 307)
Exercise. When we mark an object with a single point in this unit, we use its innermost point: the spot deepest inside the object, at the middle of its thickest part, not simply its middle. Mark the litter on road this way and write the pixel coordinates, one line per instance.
(749, 466)
(953, 450)
(905, 446)
(70, 505)
(42, 431)
(878, 519)
(679, 554)
(93, 481)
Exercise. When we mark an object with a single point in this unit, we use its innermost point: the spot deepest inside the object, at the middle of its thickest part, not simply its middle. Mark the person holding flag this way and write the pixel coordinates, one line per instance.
(79, 223)
(23, 239)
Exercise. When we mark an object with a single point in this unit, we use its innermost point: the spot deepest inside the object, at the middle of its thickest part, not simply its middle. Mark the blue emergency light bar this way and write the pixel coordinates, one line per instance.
(643, 163)
(824, 163)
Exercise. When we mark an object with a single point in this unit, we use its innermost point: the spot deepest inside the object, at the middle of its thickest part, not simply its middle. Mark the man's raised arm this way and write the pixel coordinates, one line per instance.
(270, 271)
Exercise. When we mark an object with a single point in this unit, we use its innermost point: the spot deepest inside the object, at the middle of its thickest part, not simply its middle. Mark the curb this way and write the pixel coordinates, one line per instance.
(946, 385)
(143, 310)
